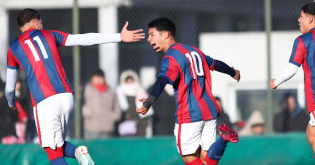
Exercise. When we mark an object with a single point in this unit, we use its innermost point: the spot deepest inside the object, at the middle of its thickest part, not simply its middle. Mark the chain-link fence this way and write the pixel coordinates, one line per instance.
(138, 65)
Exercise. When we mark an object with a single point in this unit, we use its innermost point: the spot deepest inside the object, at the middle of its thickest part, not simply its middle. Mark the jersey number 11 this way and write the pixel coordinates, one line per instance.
(33, 50)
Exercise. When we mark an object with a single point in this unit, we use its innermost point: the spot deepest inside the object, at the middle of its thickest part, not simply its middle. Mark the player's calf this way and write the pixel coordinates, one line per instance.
(83, 156)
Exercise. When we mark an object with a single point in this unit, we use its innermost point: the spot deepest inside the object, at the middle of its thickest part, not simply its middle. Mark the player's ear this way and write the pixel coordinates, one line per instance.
(311, 19)
(166, 34)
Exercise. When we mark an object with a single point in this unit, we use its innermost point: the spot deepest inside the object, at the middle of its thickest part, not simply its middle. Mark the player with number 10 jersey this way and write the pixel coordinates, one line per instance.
(188, 70)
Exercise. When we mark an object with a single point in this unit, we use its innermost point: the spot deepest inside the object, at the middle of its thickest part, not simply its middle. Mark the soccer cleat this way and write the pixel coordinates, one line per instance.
(83, 156)
(228, 134)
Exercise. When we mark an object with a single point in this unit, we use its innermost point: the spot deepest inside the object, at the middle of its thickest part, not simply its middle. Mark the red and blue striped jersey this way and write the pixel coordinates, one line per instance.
(304, 53)
(36, 52)
(188, 70)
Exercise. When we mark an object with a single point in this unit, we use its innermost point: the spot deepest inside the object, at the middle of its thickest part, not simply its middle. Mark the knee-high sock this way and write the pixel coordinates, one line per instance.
(69, 149)
(216, 151)
(56, 156)
(197, 161)
(59, 161)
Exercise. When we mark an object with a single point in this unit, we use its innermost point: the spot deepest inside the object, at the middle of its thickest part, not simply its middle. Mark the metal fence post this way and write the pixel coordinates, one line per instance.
(76, 70)
(268, 29)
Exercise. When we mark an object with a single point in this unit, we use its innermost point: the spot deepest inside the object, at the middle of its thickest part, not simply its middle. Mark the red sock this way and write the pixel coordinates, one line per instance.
(197, 161)
(211, 161)
(54, 154)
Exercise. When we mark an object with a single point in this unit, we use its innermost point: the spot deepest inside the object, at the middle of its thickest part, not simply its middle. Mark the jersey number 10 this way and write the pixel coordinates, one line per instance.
(195, 63)
(33, 50)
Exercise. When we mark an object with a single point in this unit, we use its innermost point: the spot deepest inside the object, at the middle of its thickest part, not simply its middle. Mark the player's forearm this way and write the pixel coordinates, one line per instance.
(91, 39)
(224, 68)
(10, 86)
(156, 91)
(287, 73)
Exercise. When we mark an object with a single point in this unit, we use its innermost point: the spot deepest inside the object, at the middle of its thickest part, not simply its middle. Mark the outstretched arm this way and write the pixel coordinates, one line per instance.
(98, 38)
(156, 91)
(10, 87)
(224, 68)
(287, 73)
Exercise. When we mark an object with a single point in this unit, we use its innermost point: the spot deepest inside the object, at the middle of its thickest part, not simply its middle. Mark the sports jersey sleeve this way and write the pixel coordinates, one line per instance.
(60, 37)
(211, 62)
(169, 69)
(92, 39)
(10, 86)
(298, 52)
(11, 62)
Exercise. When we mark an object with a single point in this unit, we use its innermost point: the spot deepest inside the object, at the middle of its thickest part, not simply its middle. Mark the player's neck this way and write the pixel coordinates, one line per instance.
(169, 44)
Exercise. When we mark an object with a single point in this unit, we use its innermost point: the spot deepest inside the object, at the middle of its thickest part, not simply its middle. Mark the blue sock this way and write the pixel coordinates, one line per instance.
(69, 149)
(59, 161)
(217, 149)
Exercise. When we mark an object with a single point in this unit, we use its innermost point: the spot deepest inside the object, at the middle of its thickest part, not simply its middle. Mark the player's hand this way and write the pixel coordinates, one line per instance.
(272, 84)
(131, 36)
(142, 110)
(15, 109)
(237, 75)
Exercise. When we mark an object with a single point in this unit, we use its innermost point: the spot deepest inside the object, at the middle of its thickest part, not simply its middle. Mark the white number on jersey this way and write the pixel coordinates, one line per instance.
(193, 57)
(33, 50)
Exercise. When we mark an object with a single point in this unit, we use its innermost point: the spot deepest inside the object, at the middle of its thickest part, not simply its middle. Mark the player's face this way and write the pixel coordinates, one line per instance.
(157, 40)
(304, 22)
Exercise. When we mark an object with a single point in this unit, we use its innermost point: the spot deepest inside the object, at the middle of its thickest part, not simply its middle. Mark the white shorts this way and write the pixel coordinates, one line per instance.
(312, 120)
(52, 118)
(189, 136)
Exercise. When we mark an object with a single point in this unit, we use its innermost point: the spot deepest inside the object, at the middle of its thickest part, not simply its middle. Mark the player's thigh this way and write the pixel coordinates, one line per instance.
(208, 134)
(47, 119)
(188, 136)
(67, 103)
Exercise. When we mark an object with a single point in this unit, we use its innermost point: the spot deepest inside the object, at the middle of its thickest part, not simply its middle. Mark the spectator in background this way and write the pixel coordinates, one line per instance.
(223, 117)
(129, 92)
(292, 118)
(23, 101)
(163, 123)
(101, 109)
(255, 125)
(12, 124)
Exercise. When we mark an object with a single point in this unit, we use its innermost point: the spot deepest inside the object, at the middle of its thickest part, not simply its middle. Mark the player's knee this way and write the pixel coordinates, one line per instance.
(54, 154)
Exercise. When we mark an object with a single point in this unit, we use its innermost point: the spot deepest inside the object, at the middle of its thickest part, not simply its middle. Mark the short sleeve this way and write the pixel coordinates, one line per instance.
(298, 52)
(211, 62)
(11, 62)
(60, 37)
(169, 69)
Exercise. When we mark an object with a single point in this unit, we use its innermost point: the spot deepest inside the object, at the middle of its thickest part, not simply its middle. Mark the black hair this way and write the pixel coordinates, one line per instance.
(163, 24)
(309, 8)
(26, 16)
(98, 72)
(217, 98)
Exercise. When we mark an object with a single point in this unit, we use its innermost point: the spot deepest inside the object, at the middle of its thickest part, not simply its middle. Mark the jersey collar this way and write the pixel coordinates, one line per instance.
(28, 30)
(312, 29)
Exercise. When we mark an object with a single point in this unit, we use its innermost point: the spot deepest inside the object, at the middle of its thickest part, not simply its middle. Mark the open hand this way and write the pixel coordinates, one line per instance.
(142, 110)
(131, 36)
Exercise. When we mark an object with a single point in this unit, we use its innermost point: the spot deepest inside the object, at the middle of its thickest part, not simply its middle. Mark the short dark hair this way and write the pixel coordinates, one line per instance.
(26, 16)
(309, 8)
(98, 72)
(163, 24)
(217, 98)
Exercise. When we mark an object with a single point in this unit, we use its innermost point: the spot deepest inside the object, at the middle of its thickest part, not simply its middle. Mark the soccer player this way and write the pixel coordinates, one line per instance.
(303, 53)
(188, 70)
(35, 51)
